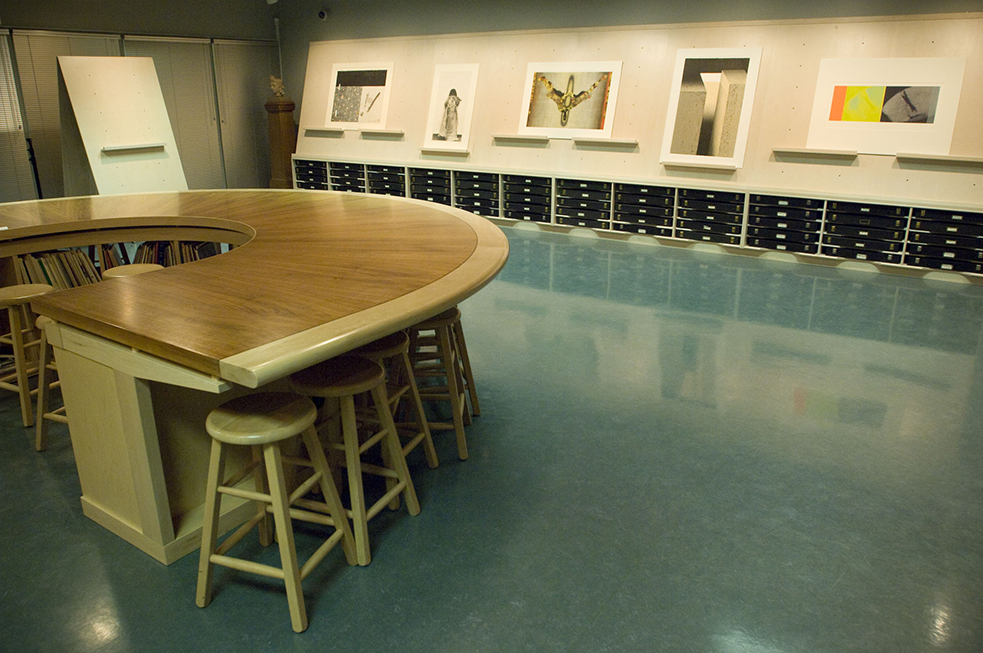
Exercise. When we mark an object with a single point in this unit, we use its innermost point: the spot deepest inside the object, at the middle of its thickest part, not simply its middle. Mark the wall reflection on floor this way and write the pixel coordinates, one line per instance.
(846, 367)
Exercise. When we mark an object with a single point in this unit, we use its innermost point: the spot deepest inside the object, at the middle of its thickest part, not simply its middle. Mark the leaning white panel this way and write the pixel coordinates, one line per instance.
(116, 135)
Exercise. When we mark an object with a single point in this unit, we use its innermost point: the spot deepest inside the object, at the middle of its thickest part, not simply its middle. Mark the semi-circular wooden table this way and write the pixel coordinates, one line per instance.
(143, 359)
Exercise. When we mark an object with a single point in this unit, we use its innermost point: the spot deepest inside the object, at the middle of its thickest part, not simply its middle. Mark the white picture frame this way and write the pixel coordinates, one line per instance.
(570, 100)
(934, 136)
(451, 107)
(710, 102)
(359, 95)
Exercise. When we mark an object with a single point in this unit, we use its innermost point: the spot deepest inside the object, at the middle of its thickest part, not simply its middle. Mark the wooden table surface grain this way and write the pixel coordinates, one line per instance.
(316, 273)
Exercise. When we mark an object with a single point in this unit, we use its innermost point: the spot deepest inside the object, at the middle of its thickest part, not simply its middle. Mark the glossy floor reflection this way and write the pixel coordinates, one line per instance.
(677, 452)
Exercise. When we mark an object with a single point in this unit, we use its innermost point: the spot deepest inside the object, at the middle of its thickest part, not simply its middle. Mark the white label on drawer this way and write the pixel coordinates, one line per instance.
(783, 225)
(950, 242)
(782, 202)
(862, 257)
(952, 229)
(948, 255)
(780, 246)
(780, 236)
(946, 266)
(864, 233)
(711, 207)
(781, 214)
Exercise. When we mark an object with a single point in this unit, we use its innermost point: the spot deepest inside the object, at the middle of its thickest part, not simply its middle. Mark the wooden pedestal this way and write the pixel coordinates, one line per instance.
(283, 140)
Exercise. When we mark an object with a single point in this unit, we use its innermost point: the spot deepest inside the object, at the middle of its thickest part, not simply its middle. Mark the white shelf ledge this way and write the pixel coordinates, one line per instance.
(815, 153)
(122, 149)
(709, 165)
(521, 138)
(941, 159)
(606, 142)
(324, 131)
(381, 133)
(441, 152)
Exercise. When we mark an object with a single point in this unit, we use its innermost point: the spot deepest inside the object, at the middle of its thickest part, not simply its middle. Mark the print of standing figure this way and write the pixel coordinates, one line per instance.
(448, 123)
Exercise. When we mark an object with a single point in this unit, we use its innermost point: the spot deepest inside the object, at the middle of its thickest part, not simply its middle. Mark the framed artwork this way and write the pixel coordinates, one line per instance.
(451, 107)
(570, 100)
(359, 95)
(710, 102)
(886, 106)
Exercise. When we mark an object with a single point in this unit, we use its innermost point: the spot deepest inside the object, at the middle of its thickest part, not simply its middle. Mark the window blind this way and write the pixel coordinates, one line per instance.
(37, 64)
(243, 72)
(187, 82)
(17, 179)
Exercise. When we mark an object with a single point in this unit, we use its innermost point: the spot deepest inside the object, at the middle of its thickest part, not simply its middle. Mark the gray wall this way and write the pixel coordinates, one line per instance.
(231, 19)
(358, 19)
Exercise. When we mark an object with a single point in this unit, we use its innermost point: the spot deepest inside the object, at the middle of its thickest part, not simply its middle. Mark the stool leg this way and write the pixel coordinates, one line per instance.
(209, 527)
(392, 444)
(353, 461)
(262, 487)
(285, 536)
(44, 393)
(462, 352)
(421, 418)
(456, 396)
(330, 493)
(20, 364)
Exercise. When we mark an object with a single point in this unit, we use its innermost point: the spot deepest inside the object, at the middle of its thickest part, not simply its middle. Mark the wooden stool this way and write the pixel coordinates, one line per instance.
(46, 363)
(436, 351)
(343, 378)
(262, 421)
(392, 352)
(17, 299)
(130, 270)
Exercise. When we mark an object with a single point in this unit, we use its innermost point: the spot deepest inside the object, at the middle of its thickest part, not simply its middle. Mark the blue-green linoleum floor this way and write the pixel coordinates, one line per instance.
(677, 452)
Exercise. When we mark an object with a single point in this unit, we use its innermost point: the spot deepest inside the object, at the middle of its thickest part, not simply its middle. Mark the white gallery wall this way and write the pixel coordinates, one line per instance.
(791, 52)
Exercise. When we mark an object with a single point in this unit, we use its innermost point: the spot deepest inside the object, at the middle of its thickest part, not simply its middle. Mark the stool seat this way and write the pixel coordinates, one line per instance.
(443, 319)
(22, 293)
(261, 418)
(130, 270)
(338, 377)
(383, 348)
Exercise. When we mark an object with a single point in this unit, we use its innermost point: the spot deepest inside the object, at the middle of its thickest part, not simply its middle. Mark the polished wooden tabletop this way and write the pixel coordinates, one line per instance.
(315, 273)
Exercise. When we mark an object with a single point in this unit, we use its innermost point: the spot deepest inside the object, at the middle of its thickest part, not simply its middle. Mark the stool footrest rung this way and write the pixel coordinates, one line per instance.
(241, 474)
(245, 494)
(233, 539)
(411, 445)
(297, 461)
(322, 551)
(315, 516)
(381, 503)
(57, 416)
(376, 470)
(247, 565)
(304, 488)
